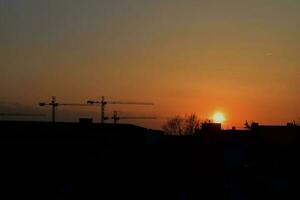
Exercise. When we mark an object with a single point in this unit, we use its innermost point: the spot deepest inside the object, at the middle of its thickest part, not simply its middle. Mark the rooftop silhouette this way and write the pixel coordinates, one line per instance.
(87, 159)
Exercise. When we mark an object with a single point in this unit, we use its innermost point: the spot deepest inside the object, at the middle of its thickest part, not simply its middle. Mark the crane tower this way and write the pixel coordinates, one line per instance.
(103, 103)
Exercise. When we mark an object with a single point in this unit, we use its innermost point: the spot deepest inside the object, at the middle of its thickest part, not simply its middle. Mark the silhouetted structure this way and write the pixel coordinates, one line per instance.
(103, 104)
(211, 127)
(84, 160)
(54, 104)
(85, 120)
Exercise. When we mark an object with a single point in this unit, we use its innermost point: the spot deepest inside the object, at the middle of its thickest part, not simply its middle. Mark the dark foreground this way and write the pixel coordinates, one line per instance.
(93, 161)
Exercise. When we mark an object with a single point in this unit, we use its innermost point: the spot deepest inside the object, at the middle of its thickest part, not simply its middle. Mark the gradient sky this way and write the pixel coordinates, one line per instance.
(240, 57)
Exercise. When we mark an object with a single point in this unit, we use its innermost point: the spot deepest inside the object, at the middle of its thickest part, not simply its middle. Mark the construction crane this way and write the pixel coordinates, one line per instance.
(54, 104)
(103, 104)
(117, 118)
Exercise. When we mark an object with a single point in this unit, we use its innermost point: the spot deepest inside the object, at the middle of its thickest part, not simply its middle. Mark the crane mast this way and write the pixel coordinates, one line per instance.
(54, 104)
(103, 103)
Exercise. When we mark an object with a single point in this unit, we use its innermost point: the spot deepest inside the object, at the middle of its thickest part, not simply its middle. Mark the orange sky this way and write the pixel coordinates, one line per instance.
(241, 58)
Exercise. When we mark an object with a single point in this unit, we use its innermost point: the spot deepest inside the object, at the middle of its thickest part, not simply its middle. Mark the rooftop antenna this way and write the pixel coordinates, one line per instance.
(54, 104)
(246, 125)
(117, 118)
(103, 104)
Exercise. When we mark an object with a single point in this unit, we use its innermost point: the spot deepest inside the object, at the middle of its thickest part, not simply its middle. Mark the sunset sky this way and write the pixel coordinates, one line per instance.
(239, 57)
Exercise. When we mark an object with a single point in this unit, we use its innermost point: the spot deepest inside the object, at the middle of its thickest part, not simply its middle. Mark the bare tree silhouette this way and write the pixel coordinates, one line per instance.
(191, 124)
(178, 125)
(173, 126)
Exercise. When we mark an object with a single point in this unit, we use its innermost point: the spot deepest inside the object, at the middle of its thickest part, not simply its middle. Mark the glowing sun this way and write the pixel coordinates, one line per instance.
(219, 117)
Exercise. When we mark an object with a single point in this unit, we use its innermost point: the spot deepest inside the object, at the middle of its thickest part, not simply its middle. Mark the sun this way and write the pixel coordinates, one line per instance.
(219, 117)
